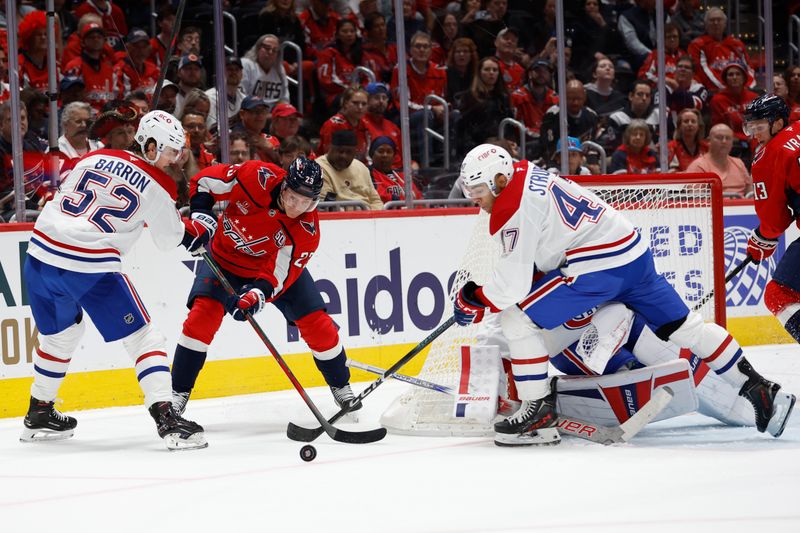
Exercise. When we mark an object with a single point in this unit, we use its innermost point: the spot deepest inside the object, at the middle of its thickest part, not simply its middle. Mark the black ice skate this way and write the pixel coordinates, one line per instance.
(178, 434)
(343, 396)
(533, 424)
(179, 401)
(772, 407)
(44, 422)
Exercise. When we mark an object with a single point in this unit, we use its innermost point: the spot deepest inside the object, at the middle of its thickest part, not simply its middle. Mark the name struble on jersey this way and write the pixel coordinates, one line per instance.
(241, 243)
(537, 180)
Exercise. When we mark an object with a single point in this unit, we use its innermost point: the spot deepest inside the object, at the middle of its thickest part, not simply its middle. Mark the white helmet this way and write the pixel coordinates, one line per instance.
(481, 166)
(164, 128)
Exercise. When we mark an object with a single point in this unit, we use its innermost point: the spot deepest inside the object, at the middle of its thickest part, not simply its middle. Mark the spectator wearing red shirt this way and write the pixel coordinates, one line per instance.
(165, 19)
(135, 71)
(319, 22)
(97, 71)
(349, 117)
(713, 51)
(389, 182)
(634, 156)
(33, 53)
(728, 105)
(511, 72)
(688, 143)
(337, 62)
(672, 52)
(379, 56)
(377, 123)
(74, 44)
(531, 101)
(113, 20)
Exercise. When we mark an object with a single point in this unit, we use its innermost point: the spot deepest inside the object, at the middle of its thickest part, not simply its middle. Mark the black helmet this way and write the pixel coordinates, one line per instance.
(767, 106)
(305, 177)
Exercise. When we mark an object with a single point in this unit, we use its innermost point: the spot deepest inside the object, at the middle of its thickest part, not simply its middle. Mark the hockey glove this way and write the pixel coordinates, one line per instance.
(760, 247)
(468, 308)
(250, 300)
(198, 232)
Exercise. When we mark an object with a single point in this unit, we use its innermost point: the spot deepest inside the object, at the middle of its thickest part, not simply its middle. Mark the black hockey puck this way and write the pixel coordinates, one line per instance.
(308, 453)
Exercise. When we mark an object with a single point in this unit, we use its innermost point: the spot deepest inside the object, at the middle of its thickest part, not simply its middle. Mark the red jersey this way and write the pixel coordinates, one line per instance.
(205, 158)
(320, 32)
(711, 56)
(679, 157)
(421, 84)
(158, 50)
(379, 62)
(649, 69)
(513, 75)
(132, 79)
(334, 70)
(530, 110)
(382, 126)
(101, 81)
(776, 182)
(33, 75)
(338, 122)
(392, 187)
(728, 108)
(113, 21)
(255, 239)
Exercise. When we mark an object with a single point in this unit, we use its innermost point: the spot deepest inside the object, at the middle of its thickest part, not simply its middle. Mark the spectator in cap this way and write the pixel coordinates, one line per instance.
(337, 62)
(576, 159)
(134, 71)
(728, 105)
(485, 105)
(462, 64)
(165, 19)
(506, 50)
(75, 142)
(190, 76)
(94, 67)
(375, 119)
(285, 121)
(235, 94)
(350, 117)
(167, 98)
(253, 117)
(344, 176)
(33, 51)
(380, 56)
(263, 75)
(71, 89)
(112, 16)
(531, 101)
(387, 179)
(116, 126)
(74, 44)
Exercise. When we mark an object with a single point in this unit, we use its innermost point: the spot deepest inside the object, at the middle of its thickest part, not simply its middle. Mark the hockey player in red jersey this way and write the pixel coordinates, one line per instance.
(268, 233)
(776, 187)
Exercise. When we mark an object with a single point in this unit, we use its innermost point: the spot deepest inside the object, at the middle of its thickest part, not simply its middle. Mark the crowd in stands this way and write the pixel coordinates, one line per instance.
(481, 60)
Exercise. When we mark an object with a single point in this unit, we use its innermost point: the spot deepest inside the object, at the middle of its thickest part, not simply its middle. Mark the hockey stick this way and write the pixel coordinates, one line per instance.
(340, 435)
(733, 274)
(168, 53)
(566, 424)
(302, 434)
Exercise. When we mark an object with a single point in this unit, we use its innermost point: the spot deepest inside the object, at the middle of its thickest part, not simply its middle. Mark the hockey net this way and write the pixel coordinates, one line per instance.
(679, 215)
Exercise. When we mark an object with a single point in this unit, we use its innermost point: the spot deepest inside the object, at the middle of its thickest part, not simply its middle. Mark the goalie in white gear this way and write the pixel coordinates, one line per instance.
(74, 266)
(593, 255)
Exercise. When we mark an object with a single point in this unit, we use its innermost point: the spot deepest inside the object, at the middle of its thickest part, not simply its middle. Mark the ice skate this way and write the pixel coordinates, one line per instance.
(534, 424)
(43, 422)
(179, 401)
(772, 407)
(343, 396)
(178, 434)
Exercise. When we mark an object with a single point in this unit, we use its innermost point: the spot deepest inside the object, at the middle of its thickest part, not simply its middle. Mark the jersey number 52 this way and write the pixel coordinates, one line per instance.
(84, 197)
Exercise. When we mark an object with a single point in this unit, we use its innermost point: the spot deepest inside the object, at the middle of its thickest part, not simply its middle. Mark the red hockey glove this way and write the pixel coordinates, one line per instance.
(198, 232)
(468, 308)
(760, 247)
(250, 300)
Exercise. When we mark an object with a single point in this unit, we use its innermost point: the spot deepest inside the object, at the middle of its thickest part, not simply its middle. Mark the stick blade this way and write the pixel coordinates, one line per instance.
(301, 434)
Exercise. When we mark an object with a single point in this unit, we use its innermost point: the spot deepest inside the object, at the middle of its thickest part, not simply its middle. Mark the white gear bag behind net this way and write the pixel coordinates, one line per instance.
(679, 215)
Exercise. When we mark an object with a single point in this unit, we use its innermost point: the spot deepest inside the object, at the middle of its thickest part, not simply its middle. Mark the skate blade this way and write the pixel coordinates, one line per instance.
(782, 408)
(175, 442)
(542, 437)
(44, 435)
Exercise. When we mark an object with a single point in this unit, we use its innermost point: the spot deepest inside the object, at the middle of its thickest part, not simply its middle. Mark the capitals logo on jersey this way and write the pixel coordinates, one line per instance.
(310, 227)
(242, 241)
(263, 175)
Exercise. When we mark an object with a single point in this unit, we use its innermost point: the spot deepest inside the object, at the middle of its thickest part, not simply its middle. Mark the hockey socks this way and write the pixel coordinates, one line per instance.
(334, 370)
(186, 367)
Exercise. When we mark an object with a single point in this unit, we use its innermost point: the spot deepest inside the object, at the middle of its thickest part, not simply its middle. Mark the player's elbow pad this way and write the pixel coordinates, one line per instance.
(202, 202)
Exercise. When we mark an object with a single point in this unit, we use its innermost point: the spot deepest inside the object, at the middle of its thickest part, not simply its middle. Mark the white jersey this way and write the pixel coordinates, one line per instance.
(272, 86)
(100, 210)
(553, 223)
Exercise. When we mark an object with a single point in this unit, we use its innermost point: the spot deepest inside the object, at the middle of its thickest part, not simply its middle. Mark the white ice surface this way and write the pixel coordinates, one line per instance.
(684, 474)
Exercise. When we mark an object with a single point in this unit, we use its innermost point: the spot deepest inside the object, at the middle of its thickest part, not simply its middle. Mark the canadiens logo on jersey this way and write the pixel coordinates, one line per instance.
(309, 227)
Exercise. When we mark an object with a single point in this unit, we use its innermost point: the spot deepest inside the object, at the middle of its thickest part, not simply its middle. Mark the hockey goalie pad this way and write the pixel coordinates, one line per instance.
(479, 384)
(613, 399)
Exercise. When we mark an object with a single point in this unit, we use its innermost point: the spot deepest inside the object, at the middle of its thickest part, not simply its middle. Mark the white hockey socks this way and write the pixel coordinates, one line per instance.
(712, 344)
(529, 355)
(147, 349)
(51, 361)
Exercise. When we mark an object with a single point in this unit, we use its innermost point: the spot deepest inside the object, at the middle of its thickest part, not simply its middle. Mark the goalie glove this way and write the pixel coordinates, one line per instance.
(760, 247)
(250, 300)
(198, 232)
(468, 307)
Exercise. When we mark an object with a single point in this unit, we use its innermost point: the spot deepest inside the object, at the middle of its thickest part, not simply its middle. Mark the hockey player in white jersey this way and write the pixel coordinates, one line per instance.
(594, 255)
(73, 266)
